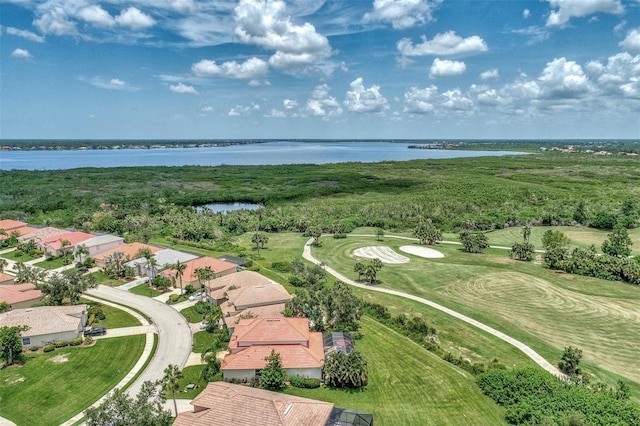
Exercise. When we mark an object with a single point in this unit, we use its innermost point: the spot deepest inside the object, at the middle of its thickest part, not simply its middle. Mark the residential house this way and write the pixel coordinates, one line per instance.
(163, 259)
(253, 339)
(221, 285)
(20, 295)
(54, 245)
(261, 301)
(129, 251)
(41, 234)
(10, 226)
(100, 244)
(219, 267)
(224, 403)
(47, 324)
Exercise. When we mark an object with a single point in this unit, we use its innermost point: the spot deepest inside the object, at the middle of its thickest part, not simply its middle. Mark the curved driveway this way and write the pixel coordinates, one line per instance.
(174, 335)
(537, 358)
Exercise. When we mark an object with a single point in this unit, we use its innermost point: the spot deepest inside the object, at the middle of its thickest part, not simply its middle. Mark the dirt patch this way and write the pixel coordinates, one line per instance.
(14, 380)
(425, 252)
(384, 253)
(60, 358)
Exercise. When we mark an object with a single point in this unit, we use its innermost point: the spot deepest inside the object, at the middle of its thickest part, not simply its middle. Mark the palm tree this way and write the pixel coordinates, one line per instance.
(204, 276)
(179, 268)
(152, 262)
(171, 382)
(3, 264)
(82, 250)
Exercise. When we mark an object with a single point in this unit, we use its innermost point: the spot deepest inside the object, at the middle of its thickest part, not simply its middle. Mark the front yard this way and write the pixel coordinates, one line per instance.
(52, 387)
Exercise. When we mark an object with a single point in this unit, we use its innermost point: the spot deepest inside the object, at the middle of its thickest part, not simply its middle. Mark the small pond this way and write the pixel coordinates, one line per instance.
(228, 207)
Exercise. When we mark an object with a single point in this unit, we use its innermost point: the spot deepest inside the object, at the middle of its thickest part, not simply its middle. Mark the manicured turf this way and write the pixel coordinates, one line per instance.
(191, 315)
(105, 279)
(144, 290)
(191, 375)
(46, 392)
(201, 341)
(114, 317)
(542, 308)
(50, 264)
(410, 386)
(18, 256)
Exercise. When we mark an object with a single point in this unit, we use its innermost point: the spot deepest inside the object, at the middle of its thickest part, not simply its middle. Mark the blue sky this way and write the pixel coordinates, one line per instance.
(384, 69)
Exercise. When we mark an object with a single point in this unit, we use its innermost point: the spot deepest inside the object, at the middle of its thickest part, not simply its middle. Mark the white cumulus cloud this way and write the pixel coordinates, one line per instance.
(56, 21)
(21, 53)
(402, 13)
(183, 88)
(631, 43)
(564, 10)
(446, 68)
(492, 74)
(365, 100)
(322, 104)
(448, 43)
(239, 110)
(265, 23)
(421, 101)
(135, 19)
(564, 79)
(526, 13)
(96, 15)
(28, 35)
(249, 69)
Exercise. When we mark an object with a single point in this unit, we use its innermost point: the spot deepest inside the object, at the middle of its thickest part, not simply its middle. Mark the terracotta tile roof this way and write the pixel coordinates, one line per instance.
(292, 356)
(6, 277)
(240, 279)
(44, 319)
(218, 266)
(41, 234)
(74, 238)
(130, 250)
(17, 293)
(10, 225)
(268, 311)
(256, 331)
(260, 295)
(22, 231)
(224, 403)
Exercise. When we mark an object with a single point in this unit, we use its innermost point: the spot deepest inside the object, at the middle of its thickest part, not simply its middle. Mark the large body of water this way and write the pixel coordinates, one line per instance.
(269, 153)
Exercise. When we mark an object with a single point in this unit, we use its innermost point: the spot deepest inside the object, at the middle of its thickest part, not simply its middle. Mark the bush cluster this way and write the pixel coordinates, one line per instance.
(48, 348)
(533, 396)
(304, 382)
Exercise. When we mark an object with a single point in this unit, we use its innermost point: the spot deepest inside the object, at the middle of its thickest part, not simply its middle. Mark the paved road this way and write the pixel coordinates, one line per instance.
(537, 358)
(174, 336)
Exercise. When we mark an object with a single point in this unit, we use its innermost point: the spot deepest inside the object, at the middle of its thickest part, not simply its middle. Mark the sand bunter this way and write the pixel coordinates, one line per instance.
(426, 252)
(384, 253)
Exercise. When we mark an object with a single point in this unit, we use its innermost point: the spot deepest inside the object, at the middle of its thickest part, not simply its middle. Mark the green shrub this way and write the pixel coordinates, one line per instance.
(282, 266)
(304, 382)
(48, 348)
(34, 348)
(202, 307)
(76, 342)
(174, 298)
(61, 343)
(88, 340)
(189, 289)
(91, 319)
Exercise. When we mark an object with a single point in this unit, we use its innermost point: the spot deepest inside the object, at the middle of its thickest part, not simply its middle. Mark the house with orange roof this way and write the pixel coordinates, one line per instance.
(220, 267)
(9, 225)
(221, 285)
(6, 278)
(224, 403)
(20, 295)
(251, 297)
(41, 234)
(54, 245)
(129, 251)
(253, 339)
(268, 311)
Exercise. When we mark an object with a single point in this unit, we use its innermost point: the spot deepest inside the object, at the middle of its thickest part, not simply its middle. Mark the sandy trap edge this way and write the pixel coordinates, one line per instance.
(426, 252)
(385, 254)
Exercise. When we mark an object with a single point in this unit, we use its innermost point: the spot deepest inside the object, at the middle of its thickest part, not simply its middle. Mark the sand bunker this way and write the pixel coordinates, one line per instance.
(60, 358)
(429, 253)
(384, 253)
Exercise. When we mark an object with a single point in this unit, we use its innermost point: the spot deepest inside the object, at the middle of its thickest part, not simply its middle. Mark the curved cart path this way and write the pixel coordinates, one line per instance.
(500, 335)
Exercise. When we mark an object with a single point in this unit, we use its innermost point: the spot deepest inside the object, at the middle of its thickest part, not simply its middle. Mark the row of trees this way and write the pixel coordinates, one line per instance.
(58, 287)
(369, 270)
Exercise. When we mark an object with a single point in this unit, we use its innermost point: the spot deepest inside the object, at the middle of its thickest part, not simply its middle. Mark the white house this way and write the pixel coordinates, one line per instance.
(100, 244)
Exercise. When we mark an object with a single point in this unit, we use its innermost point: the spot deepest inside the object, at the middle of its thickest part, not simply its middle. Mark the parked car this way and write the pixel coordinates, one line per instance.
(196, 296)
(96, 331)
(204, 324)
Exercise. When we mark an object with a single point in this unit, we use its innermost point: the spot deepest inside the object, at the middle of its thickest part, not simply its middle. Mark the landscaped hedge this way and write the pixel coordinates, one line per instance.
(304, 382)
(48, 348)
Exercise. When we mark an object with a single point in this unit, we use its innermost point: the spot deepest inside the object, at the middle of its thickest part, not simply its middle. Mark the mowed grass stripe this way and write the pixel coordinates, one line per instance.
(410, 386)
(45, 392)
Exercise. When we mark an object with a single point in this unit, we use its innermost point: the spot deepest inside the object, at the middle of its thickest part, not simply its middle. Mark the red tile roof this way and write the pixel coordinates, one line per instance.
(268, 311)
(17, 293)
(265, 331)
(22, 231)
(6, 277)
(74, 238)
(131, 250)
(218, 266)
(224, 403)
(292, 356)
(10, 225)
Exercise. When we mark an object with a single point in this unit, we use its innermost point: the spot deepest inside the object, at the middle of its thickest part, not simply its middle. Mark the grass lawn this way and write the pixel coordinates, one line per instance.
(51, 263)
(18, 256)
(544, 309)
(191, 375)
(51, 388)
(191, 315)
(105, 279)
(115, 317)
(202, 340)
(409, 386)
(143, 290)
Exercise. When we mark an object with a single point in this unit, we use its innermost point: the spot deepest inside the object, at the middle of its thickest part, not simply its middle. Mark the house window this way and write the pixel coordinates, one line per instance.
(26, 341)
